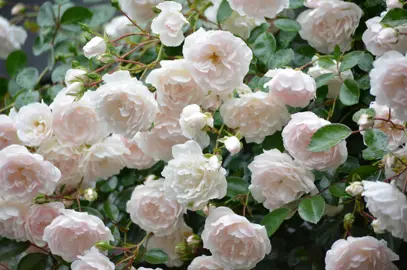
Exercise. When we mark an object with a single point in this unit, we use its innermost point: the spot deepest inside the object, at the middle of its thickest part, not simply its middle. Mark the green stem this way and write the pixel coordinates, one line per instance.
(159, 57)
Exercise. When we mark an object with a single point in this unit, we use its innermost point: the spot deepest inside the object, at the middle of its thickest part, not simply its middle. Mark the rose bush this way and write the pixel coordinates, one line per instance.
(203, 134)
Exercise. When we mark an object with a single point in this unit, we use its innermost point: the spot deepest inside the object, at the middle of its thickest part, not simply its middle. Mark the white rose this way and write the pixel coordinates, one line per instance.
(125, 104)
(119, 26)
(218, 60)
(11, 37)
(257, 115)
(104, 159)
(12, 220)
(137, 159)
(377, 227)
(193, 121)
(38, 217)
(176, 88)
(297, 136)
(204, 263)
(388, 82)
(153, 212)
(33, 123)
(169, 23)
(360, 253)
(92, 259)
(139, 10)
(277, 179)
(331, 23)
(379, 39)
(25, 175)
(72, 233)
(293, 88)
(354, 189)
(334, 85)
(234, 242)
(394, 4)
(166, 133)
(191, 179)
(8, 132)
(95, 47)
(233, 145)
(389, 205)
(74, 75)
(259, 9)
(76, 122)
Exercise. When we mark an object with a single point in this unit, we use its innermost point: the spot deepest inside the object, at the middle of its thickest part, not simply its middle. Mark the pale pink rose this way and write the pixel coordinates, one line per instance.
(175, 85)
(12, 37)
(38, 217)
(257, 115)
(297, 136)
(92, 259)
(293, 88)
(72, 233)
(259, 9)
(204, 263)
(25, 175)
(277, 179)
(8, 132)
(152, 211)
(119, 26)
(139, 10)
(331, 23)
(137, 159)
(233, 241)
(388, 82)
(360, 253)
(394, 4)
(218, 60)
(12, 220)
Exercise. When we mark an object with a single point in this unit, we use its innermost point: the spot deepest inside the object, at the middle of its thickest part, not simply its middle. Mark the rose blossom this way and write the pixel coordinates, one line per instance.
(119, 26)
(25, 175)
(72, 233)
(331, 23)
(12, 37)
(153, 212)
(389, 205)
(168, 243)
(233, 241)
(394, 4)
(293, 88)
(277, 179)
(12, 220)
(297, 136)
(139, 10)
(218, 60)
(38, 217)
(8, 132)
(388, 82)
(137, 159)
(257, 115)
(193, 121)
(125, 104)
(360, 253)
(104, 159)
(204, 263)
(33, 123)
(258, 9)
(193, 179)
(92, 259)
(169, 23)
(95, 47)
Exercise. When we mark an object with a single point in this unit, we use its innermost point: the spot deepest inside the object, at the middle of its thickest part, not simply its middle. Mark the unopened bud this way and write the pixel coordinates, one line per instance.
(376, 225)
(115, 4)
(365, 121)
(233, 145)
(18, 9)
(348, 221)
(90, 194)
(103, 245)
(354, 189)
(194, 241)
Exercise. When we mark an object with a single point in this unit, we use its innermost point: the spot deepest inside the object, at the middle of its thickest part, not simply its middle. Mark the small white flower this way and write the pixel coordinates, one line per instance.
(233, 145)
(192, 122)
(259, 9)
(92, 259)
(74, 75)
(8, 132)
(95, 47)
(11, 37)
(169, 23)
(119, 26)
(354, 189)
(90, 194)
(377, 227)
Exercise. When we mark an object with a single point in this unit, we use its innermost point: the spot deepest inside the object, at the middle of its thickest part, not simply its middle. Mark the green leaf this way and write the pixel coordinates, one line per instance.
(324, 79)
(58, 75)
(366, 62)
(350, 60)
(284, 38)
(281, 58)
(101, 14)
(15, 62)
(325, 62)
(349, 93)
(338, 190)
(312, 209)
(395, 17)
(93, 211)
(272, 221)
(296, 4)
(27, 78)
(33, 261)
(75, 15)
(372, 154)
(371, 112)
(257, 31)
(287, 25)
(328, 136)
(109, 185)
(26, 98)
(10, 249)
(53, 91)
(224, 11)
(376, 139)
(264, 47)
(236, 186)
(156, 256)
(112, 212)
(45, 17)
